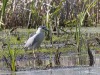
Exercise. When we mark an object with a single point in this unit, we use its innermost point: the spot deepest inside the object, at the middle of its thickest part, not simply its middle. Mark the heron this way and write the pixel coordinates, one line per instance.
(35, 40)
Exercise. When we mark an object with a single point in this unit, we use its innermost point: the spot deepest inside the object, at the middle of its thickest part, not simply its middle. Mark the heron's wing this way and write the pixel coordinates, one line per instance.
(38, 38)
(34, 41)
(30, 41)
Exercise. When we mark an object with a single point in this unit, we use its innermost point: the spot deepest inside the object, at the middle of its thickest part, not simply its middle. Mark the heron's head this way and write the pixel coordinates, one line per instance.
(42, 29)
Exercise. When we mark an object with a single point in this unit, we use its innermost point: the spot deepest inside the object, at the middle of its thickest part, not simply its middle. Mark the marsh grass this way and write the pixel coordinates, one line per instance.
(11, 53)
(79, 24)
(11, 57)
(3, 12)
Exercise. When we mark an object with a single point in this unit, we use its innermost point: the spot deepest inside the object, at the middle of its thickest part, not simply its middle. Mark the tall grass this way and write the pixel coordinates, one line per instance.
(3, 12)
(80, 19)
(12, 56)
(11, 52)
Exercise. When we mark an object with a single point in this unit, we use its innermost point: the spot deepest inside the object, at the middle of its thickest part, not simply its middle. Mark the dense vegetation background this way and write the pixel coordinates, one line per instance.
(32, 13)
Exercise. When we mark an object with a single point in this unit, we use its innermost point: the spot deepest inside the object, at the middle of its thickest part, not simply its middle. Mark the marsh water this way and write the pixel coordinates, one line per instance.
(69, 65)
(67, 71)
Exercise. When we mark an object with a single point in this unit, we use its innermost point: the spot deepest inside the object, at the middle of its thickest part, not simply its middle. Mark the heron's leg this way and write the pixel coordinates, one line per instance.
(33, 51)
(38, 60)
(34, 54)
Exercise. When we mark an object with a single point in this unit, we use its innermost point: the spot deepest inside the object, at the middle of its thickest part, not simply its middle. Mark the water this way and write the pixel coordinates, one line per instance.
(69, 61)
(70, 69)
(63, 71)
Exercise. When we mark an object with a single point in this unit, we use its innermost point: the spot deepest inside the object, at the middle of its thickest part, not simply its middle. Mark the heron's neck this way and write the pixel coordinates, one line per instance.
(39, 31)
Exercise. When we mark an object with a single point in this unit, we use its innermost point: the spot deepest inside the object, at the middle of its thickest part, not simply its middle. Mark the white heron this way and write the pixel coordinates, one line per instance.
(35, 41)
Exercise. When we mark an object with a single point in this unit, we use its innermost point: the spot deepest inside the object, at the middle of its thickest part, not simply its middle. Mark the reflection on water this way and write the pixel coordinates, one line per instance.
(64, 61)
(73, 60)
(69, 65)
(63, 71)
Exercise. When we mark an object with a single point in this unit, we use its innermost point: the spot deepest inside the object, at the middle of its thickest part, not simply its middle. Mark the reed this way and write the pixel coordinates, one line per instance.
(3, 12)
(80, 19)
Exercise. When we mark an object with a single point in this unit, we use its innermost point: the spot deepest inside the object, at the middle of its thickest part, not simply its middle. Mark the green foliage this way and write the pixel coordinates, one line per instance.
(37, 16)
(12, 57)
(4, 7)
(71, 23)
(12, 54)
(80, 19)
(82, 14)
(57, 9)
(3, 12)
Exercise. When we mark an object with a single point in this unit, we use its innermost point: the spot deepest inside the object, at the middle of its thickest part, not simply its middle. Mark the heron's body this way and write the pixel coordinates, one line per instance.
(34, 41)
